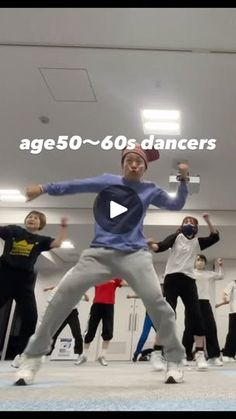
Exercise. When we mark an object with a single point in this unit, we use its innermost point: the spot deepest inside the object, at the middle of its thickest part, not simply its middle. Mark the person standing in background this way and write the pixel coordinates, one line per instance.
(22, 247)
(73, 322)
(229, 297)
(102, 309)
(204, 278)
(184, 247)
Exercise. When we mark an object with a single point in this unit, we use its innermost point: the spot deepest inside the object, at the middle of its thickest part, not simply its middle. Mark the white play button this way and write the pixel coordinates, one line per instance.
(116, 209)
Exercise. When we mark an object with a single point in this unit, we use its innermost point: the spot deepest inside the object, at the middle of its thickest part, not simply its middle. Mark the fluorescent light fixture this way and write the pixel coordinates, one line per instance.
(193, 184)
(161, 115)
(9, 198)
(192, 179)
(66, 244)
(11, 195)
(164, 122)
(163, 128)
(10, 192)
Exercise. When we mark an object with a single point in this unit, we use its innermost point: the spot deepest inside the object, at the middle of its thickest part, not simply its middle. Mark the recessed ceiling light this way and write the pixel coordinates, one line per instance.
(44, 119)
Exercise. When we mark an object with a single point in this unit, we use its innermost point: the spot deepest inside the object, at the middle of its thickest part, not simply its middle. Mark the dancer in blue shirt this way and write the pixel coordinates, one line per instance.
(118, 249)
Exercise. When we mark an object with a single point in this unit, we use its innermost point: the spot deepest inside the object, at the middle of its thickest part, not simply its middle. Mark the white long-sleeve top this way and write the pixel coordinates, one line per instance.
(204, 280)
(230, 291)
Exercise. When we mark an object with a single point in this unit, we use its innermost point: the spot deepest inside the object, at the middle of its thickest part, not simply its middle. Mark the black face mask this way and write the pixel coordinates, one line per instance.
(188, 229)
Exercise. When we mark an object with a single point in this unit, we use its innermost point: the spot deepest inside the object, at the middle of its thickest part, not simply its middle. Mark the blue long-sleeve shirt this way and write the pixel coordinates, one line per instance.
(148, 193)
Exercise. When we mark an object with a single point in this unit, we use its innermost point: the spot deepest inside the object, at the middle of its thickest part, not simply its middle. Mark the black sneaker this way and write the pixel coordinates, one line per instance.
(135, 357)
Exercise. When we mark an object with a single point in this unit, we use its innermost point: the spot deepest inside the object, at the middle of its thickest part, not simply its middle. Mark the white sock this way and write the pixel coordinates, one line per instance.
(103, 352)
(85, 352)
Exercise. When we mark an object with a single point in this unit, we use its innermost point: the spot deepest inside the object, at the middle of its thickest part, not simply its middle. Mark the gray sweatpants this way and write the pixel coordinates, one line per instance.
(98, 265)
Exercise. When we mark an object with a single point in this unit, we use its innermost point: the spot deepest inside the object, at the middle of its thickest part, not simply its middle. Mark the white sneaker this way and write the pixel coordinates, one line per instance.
(46, 358)
(201, 362)
(102, 361)
(81, 359)
(27, 370)
(187, 363)
(174, 373)
(157, 361)
(228, 359)
(16, 362)
(216, 362)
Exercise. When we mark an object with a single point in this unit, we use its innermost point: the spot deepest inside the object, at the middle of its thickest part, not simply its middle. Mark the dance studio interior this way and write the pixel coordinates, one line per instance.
(79, 85)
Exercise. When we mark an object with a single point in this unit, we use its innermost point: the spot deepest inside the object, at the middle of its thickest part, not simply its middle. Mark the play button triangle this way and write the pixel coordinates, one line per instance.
(116, 209)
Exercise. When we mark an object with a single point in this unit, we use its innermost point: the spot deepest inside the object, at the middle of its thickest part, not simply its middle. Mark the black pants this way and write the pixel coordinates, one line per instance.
(73, 321)
(212, 344)
(19, 285)
(230, 343)
(180, 285)
(98, 312)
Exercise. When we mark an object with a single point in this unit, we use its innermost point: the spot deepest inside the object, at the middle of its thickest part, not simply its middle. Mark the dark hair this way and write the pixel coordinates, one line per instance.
(42, 218)
(195, 222)
(203, 257)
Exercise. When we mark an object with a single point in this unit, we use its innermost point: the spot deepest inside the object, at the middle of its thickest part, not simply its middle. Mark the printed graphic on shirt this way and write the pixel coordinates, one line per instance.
(118, 209)
(22, 248)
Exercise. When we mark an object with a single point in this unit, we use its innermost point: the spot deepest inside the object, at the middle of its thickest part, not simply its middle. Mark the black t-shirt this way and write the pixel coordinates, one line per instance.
(22, 248)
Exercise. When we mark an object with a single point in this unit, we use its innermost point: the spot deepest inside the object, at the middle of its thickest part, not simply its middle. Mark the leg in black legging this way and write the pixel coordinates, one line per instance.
(28, 309)
(212, 344)
(63, 325)
(188, 339)
(73, 321)
(95, 317)
(230, 344)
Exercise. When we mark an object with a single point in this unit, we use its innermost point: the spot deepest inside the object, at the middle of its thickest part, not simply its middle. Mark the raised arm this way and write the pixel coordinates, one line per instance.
(61, 234)
(217, 271)
(208, 221)
(205, 242)
(162, 199)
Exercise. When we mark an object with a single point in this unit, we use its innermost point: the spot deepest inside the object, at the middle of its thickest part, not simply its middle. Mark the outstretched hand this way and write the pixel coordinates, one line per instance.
(33, 191)
(219, 261)
(206, 216)
(152, 244)
(64, 222)
(183, 171)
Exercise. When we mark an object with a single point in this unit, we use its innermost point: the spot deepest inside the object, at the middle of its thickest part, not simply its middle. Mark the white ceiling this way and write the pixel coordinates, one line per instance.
(131, 60)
